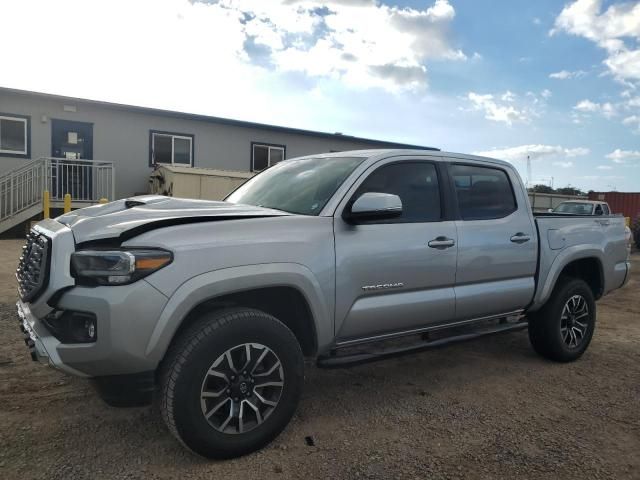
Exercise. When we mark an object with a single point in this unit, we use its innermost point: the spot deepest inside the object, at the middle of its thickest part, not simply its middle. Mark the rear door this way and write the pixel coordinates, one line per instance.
(388, 277)
(497, 241)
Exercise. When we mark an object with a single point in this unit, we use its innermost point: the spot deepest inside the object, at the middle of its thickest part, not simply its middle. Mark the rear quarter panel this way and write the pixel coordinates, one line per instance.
(566, 239)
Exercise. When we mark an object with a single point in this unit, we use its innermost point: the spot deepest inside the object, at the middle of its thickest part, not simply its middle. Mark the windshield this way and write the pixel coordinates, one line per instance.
(575, 208)
(297, 186)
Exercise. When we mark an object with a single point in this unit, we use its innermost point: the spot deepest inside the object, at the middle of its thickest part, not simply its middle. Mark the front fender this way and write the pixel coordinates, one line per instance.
(225, 281)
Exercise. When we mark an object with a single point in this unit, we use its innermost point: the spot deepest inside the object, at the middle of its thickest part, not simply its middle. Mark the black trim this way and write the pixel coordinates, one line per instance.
(358, 357)
(447, 196)
(116, 242)
(536, 275)
(219, 120)
(175, 134)
(265, 144)
(27, 140)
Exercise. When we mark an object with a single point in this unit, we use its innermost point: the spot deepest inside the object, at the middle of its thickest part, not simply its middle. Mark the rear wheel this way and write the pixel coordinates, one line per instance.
(563, 328)
(231, 382)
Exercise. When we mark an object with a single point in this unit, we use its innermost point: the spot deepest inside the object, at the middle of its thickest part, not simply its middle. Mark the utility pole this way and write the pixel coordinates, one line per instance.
(528, 171)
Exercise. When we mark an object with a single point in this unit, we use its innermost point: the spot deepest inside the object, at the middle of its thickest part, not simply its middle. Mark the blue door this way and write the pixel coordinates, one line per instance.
(71, 142)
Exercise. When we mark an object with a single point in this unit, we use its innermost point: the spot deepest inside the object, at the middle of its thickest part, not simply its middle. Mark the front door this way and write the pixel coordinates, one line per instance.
(388, 278)
(71, 142)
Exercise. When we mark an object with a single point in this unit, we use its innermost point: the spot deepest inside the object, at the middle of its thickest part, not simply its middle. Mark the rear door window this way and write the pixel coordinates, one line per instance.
(482, 193)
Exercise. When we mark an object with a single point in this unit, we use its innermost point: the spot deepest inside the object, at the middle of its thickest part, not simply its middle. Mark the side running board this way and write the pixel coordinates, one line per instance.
(340, 360)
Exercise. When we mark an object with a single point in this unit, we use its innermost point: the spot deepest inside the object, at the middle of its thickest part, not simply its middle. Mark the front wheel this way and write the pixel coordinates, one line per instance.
(563, 328)
(231, 382)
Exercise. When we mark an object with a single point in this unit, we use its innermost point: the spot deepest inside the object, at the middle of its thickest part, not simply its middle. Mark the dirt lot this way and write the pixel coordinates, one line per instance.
(485, 409)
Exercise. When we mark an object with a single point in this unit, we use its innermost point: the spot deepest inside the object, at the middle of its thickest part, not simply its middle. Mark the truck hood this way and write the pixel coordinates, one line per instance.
(126, 218)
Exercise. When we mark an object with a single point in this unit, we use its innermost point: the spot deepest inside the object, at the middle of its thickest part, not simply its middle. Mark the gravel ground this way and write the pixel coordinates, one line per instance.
(485, 409)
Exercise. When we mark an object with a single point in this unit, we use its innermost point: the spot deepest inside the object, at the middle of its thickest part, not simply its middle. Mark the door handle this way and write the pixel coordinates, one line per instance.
(520, 238)
(442, 242)
(604, 223)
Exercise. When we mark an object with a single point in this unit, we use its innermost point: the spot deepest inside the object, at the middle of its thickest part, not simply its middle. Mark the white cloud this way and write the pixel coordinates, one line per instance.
(563, 164)
(546, 93)
(535, 152)
(587, 106)
(508, 96)
(566, 74)
(209, 46)
(623, 156)
(610, 30)
(607, 109)
(501, 110)
(604, 167)
(362, 43)
(634, 122)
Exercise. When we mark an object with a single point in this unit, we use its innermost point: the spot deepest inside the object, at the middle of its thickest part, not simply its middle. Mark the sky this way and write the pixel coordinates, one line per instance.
(558, 82)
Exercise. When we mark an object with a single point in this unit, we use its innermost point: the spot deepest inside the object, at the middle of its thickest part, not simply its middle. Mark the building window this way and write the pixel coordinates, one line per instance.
(14, 135)
(264, 155)
(171, 148)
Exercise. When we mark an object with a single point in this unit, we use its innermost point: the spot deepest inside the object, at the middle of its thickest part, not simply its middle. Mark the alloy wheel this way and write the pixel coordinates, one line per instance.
(242, 388)
(574, 321)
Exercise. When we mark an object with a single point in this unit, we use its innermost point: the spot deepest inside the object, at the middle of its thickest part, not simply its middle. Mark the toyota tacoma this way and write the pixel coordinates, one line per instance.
(213, 307)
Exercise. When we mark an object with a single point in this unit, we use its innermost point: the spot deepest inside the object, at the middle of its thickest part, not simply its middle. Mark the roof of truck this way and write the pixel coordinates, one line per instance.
(401, 152)
(586, 200)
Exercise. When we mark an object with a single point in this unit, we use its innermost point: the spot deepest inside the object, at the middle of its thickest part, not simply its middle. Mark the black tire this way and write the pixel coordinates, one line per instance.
(549, 331)
(184, 375)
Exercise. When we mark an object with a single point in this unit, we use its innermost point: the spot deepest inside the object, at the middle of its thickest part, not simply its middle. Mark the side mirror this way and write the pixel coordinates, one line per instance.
(374, 206)
(550, 210)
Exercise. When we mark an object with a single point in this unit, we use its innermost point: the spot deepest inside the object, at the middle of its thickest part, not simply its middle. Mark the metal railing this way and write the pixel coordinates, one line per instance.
(87, 181)
(21, 188)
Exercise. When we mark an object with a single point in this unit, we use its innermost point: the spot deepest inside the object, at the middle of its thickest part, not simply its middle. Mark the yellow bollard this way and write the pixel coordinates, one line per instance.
(67, 203)
(103, 200)
(46, 204)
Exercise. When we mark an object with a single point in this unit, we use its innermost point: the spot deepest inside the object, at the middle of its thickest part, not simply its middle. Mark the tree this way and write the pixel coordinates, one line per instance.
(569, 191)
(540, 188)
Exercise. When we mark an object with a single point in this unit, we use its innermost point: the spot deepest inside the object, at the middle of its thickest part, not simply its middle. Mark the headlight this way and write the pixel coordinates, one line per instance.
(117, 267)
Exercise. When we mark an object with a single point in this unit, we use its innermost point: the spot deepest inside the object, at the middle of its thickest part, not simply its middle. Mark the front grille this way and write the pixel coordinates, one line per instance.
(33, 267)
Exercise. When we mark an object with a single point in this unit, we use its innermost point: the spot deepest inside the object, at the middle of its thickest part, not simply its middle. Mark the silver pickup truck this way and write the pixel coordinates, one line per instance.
(214, 306)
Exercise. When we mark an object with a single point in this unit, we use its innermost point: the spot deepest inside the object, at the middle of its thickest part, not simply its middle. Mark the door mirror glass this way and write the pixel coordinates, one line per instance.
(374, 205)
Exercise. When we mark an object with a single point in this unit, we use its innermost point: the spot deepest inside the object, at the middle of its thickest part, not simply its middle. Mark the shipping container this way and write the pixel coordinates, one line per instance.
(626, 203)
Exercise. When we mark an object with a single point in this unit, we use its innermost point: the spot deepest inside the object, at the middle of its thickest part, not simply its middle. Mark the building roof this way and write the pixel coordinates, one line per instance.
(218, 120)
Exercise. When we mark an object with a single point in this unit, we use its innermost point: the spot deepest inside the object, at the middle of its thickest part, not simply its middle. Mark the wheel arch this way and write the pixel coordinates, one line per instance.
(289, 292)
(585, 265)
(588, 269)
(286, 303)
